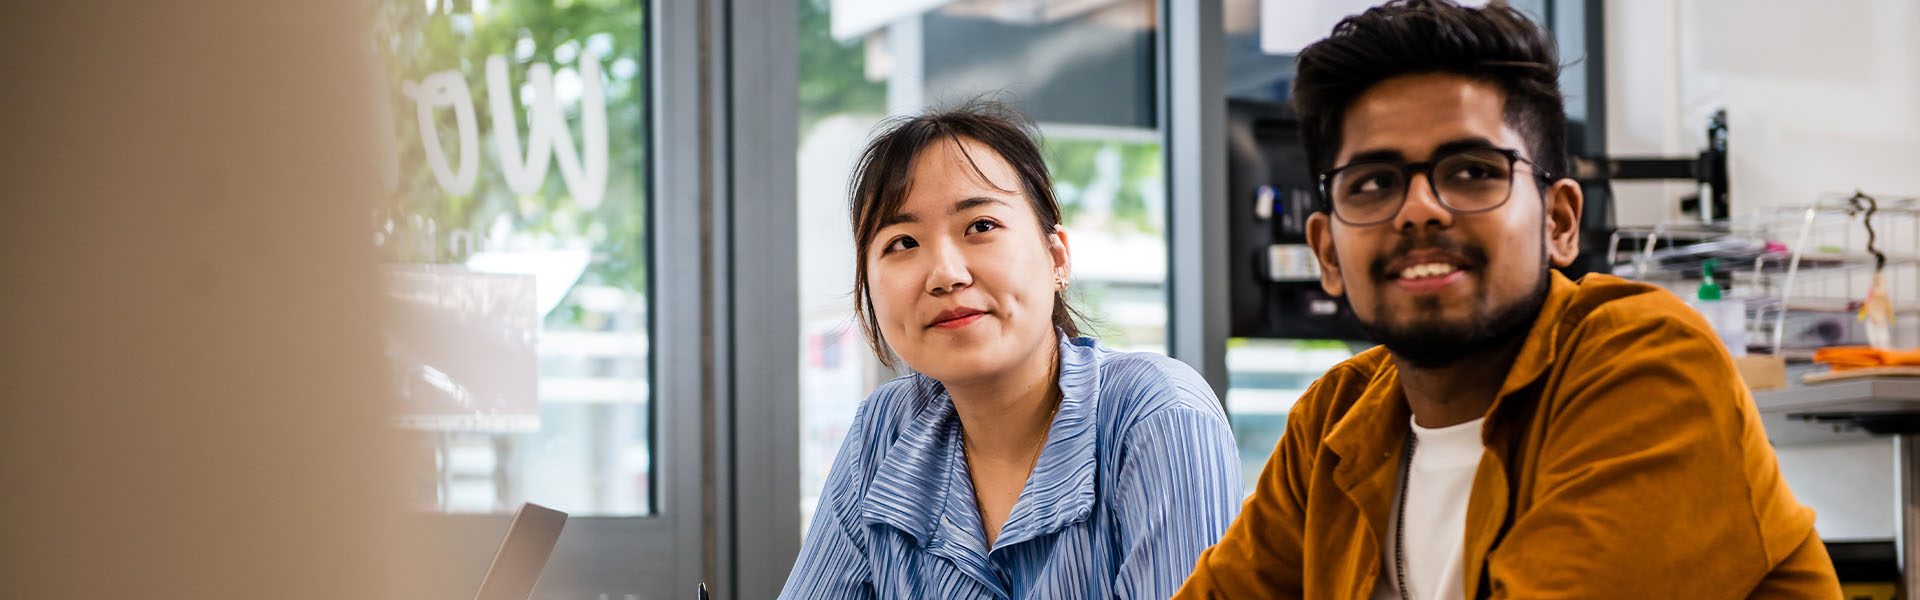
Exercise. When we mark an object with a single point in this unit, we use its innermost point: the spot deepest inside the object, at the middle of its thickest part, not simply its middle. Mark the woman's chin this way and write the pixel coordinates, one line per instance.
(952, 367)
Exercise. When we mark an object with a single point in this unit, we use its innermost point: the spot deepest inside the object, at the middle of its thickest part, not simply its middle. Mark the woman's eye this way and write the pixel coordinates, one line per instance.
(900, 243)
(982, 226)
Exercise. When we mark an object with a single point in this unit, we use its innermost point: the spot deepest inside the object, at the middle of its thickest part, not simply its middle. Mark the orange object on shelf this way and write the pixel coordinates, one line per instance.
(1843, 358)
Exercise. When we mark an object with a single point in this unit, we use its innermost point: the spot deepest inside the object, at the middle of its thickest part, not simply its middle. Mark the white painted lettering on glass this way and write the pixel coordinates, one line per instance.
(582, 169)
(547, 133)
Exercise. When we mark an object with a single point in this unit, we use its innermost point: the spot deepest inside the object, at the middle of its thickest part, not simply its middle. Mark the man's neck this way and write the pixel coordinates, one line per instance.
(1460, 392)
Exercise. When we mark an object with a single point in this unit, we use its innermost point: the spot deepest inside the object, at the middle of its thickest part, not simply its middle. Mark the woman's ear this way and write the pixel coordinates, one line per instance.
(1563, 205)
(1320, 238)
(1062, 258)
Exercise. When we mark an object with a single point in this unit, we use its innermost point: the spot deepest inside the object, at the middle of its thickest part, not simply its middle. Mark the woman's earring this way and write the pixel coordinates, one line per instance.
(1061, 282)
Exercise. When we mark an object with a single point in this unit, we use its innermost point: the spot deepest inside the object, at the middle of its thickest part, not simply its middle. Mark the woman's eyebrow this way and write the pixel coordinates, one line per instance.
(898, 219)
(958, 207)
(976, 202)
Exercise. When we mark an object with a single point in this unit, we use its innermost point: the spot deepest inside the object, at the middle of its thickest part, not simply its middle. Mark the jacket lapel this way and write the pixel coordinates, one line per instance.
(1487, 509)
(1369, 441)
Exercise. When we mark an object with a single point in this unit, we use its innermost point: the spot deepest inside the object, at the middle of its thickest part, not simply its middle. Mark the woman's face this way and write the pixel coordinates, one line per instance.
(963, 277)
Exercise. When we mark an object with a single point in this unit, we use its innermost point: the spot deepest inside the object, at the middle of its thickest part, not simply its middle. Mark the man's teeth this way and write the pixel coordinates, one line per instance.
(1427, 270)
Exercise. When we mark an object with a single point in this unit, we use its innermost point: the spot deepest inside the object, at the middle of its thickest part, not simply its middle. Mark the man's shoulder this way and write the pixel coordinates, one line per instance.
(1605, 307)
(1641, 347)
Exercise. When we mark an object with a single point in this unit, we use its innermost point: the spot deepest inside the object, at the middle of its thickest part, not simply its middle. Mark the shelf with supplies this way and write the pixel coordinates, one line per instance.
(1802, 271)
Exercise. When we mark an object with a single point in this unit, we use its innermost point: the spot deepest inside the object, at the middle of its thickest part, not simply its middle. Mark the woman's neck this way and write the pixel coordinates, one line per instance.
(1006, 416)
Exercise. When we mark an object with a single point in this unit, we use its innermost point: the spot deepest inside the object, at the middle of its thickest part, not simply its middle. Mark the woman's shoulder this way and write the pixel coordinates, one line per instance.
(1137, 385)
(878, 422)
(899, 399)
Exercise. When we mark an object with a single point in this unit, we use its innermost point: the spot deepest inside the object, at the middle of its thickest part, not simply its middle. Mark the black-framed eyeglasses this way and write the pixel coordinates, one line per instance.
(1465, 181)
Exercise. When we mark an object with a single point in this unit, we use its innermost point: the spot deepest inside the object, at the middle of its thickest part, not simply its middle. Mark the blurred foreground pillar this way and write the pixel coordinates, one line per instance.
(191, 395)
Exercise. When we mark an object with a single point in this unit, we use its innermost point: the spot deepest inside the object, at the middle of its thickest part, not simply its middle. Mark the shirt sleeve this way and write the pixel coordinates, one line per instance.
(1654, 477)
(1178, 489)
(1262, 553)
(833, 559)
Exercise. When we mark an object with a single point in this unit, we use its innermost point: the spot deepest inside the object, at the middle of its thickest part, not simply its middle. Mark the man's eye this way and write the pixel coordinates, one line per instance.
(1372, 183)
(900, 243)
(1477, 172)
(982, 226)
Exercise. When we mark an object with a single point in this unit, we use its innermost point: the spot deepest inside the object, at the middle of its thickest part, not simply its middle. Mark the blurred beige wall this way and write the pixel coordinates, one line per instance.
(190, 394)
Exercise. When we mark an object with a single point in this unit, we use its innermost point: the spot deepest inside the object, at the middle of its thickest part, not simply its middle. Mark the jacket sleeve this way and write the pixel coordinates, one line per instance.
(1652, 476)
(1262, 554)
(1178, 490)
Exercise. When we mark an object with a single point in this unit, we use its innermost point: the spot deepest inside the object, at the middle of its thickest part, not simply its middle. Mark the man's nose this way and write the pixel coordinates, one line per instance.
(1422, 207)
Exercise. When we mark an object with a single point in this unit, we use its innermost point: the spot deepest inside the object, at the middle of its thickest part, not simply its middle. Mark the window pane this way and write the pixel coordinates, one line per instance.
(516, 241)
(1083, 70)
(1266, 375)
(1264, 378)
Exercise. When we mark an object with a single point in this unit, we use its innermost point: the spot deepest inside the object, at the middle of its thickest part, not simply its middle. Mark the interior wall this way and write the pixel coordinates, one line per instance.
(1820, 97)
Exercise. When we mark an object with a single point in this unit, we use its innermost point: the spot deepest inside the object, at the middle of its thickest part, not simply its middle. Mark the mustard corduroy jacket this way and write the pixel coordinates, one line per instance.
(1624, 459)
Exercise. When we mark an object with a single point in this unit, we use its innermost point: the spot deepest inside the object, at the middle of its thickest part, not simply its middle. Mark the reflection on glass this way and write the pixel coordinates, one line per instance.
(517, 221)
(1083, 70)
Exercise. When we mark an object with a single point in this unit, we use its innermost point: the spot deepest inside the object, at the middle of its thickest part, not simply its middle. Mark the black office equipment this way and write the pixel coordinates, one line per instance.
(1273, 276)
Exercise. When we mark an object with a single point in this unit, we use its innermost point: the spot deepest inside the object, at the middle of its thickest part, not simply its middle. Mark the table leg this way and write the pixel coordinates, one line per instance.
(1907, 481)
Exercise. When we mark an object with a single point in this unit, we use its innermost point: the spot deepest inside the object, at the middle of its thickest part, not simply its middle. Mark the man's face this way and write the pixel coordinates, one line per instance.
(1431, 285)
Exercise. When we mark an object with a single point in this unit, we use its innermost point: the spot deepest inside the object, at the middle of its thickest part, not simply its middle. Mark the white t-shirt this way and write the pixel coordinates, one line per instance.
(1439, 483)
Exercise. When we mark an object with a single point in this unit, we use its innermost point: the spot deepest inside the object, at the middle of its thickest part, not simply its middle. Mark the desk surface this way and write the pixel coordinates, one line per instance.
(1876, 395)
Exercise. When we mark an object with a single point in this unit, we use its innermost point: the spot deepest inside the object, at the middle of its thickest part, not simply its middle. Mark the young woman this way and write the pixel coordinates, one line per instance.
(1019, 460)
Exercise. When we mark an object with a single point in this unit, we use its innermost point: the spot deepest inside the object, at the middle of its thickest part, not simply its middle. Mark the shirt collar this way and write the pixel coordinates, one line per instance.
(1061, 489)
(920, 470)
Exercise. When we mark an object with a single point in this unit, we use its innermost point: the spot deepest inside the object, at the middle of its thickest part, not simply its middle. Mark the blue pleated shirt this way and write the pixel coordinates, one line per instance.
(1138, 475)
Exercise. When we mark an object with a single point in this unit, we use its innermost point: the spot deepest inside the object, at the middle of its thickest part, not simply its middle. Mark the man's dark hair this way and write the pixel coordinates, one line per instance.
(883, 178)
(1495, 44)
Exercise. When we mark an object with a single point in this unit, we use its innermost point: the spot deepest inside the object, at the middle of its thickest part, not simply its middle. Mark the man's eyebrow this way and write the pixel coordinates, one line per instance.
(1472, 143)
(1382, 155)
(1391, 155)
(975, 202)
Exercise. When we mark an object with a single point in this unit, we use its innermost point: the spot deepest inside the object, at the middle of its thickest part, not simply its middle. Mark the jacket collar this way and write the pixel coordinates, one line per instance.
(1370, 437)
(1543, 341)
(921, 487)
(1377, 420)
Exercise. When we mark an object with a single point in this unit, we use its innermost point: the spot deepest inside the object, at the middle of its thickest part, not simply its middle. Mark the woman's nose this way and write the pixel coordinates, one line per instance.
(949, 270)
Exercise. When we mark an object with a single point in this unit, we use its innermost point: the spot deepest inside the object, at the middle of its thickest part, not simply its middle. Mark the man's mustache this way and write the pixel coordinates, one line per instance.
(1475, 255)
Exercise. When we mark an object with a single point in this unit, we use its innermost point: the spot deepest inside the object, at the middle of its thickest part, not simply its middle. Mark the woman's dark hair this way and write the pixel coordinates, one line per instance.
(884, 177)
(1495, 44)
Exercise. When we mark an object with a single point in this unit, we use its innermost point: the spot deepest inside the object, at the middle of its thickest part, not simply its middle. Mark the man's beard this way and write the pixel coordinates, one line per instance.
(1431, 345)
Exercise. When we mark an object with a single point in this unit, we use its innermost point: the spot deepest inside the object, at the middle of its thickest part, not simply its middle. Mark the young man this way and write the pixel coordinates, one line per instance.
(1517, 434)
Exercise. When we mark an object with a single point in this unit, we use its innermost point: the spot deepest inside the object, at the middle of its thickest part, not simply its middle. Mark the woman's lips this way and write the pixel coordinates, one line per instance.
(958, 322)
